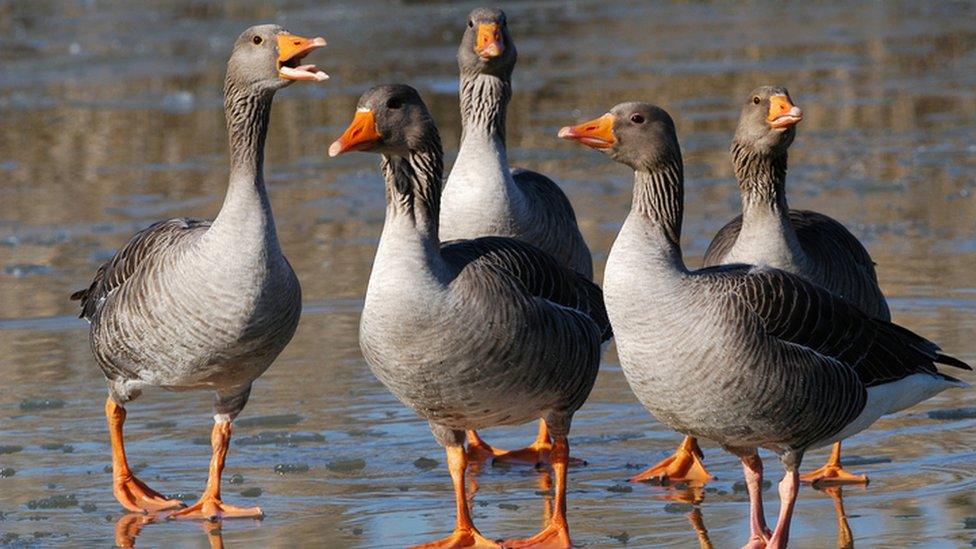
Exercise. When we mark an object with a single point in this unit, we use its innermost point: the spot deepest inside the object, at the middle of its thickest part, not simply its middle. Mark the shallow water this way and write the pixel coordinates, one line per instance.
(110, 118)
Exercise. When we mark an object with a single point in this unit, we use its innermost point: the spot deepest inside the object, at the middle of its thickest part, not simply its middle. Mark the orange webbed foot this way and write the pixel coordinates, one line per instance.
(212, 508)
(538, 454)
(134, 495)
(479, 450)
(683, 466)
(553, 536)
(461, 538)
(832, 474)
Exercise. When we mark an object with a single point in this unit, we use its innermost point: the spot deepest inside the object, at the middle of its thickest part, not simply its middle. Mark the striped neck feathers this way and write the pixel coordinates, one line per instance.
(484, 103)
(248, 111)
(762, 178)
(659, 197)
(414, 184)
(246, 211)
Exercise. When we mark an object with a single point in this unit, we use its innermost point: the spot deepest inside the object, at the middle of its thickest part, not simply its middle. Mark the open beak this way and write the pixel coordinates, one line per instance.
(291, 50)
(782, 112)
(489, 43)
(597, 133)
(361, 135)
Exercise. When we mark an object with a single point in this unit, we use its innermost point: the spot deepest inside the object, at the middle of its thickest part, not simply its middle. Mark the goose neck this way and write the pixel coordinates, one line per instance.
(484, 104)
(659, 202)
(247, 111)
(762, 179)
(413, 189)
(765, 211)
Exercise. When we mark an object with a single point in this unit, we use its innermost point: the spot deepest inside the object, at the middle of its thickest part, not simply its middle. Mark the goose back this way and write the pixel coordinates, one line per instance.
(832, 257)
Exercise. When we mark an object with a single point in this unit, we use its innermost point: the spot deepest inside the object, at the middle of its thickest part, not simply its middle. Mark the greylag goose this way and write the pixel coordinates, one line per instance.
(807, 243)
(483, 197)
(469, 333)
(194, 304)
(777, 361)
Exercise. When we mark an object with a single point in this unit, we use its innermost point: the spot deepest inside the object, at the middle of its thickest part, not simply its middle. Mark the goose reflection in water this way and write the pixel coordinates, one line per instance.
(695, 496)
(129, 526)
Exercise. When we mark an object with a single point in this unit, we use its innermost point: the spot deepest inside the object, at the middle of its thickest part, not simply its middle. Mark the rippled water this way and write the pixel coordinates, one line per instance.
(110, 118)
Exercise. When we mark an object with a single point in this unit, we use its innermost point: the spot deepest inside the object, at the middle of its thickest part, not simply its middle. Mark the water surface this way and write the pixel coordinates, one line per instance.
(110, 118)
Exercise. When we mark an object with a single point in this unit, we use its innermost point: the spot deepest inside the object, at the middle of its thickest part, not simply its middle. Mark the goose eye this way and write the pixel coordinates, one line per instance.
(756, 100)
(394, 103)
(257, 40)
(637, 119)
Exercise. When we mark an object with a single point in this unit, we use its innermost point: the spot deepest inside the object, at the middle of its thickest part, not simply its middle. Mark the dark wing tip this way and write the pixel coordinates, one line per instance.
(952, 361)
(79, 295)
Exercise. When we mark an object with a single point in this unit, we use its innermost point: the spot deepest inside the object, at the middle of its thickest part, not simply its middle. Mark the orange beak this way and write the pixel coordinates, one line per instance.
(291, 50)
(361, 135)
(782, 112)
(489, 43)
(597, 133)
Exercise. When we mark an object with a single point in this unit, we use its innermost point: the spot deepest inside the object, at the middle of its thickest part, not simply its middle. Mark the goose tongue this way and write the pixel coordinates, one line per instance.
(303, 72)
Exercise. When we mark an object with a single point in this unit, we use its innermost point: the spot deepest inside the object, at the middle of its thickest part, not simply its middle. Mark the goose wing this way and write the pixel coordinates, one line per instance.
(547, 192)
(141, 249)
(798, 312)
(722, 243)
(537, 273)
(846, 262)
(846, 266)
(557, 230)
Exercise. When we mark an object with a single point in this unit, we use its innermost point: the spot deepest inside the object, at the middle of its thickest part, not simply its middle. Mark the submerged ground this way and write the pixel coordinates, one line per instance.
(110, 118)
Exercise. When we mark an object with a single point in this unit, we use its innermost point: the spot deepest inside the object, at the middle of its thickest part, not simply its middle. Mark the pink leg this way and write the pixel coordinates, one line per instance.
(788, 489)
(752, 470)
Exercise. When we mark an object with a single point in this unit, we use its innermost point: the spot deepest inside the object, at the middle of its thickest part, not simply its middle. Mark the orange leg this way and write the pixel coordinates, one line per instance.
(465, 534)
(556, 533)
(833, 472)
(685, 465)
(131, 492)
(210, 506)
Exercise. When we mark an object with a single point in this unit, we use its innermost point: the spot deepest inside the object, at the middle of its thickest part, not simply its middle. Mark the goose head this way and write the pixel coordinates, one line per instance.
(768, 120)
(391, 120)
(635, 133)
(267, 57)
(486, 47)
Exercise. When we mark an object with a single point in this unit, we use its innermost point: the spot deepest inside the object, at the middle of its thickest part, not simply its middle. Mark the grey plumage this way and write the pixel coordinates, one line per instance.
(746, 356)
(816, 246)
(482, 196)
(833, 258)
(189, 303)
(768, 232)
(470, 333)
(193, 304)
